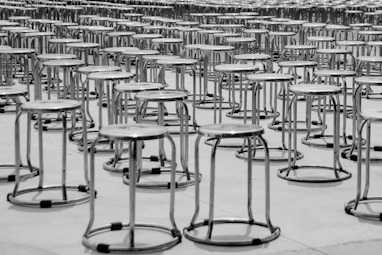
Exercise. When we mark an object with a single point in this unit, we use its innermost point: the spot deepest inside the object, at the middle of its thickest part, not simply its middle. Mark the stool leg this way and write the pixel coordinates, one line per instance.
(197, 191)
(173, 185)
(63, 181)
(212, 189)
(132, 188)
(249, 182)
(40, 147)
(367, 165)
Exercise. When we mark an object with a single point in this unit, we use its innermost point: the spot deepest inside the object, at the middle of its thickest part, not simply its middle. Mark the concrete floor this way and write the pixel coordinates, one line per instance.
(311, 216)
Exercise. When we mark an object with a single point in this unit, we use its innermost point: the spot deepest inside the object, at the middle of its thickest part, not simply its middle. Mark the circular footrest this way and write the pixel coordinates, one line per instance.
(351, 154)
(301, 126)
(192, 231)
(49, 203)
(243, 154)
(363, 209)
(119, 165)
(292, 176)
(324, 141)
(151, 183)
(135, 248)
(12, 177)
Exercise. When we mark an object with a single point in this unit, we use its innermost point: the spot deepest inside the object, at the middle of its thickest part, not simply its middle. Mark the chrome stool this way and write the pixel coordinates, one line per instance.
(84, 50)
(362, 205)
(202, 231)
(15, 94)
(17, 197)
(290, 172)
(124, 101)
(135, 135)
(58, 45)
(181, 127)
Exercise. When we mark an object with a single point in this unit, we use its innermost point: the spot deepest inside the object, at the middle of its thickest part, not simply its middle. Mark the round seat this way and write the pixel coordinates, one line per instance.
(176, 61)
(235, 68)
(47, 106)
(83, 45)
(350, 43)
(216, 48)
(370, 59)
(280, 33)
(161, 95)
(335, 73)
(95, 69)
(333, 51)
(147, 36)
(12, 91)
(230, 130)
(306, 89)
(369, 80)
(64, 63)
(119, 49)
(135, 87)
(105, 76)
(270, 77)
(300, 47)
(321, 39)
(138, 131)
(16, 51)
(64, 40)
(167, 40)
(297, 63)
(140, 52)
(252, 56)
(45, 57)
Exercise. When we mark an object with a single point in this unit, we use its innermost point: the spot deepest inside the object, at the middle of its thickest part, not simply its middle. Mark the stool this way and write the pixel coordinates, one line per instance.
(134, 134)
(262, 39)
(17, 197)
(58, 45)
(361, 83)
(278, 41)
(104, 83)
(38, 41)
(263, 81)
(228, 71)
(362, 205)
(180, 122)
(87, 49)
(119, 39)
(151, 68)
(294, 66)
(290, 172)
(298, 52)
(202, 231)
(124, 100)
(262, 61)
(335, 59)
(144, 41)
(136, 56)
(114, 53)
(321, 42)
(15, 94)
(168, 46)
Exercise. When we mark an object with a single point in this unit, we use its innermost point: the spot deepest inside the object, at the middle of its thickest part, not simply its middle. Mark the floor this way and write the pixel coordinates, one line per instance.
(311, 216)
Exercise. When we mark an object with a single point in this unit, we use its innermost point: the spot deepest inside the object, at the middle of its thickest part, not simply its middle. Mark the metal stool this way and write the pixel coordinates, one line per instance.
(58, 45)
(290, 172)
(124, 101)
(14, 94)
(134, 134)
(202, 231)
(180, 122)
(17, 197)
(83, 50)
(362, 205)
(262, 81)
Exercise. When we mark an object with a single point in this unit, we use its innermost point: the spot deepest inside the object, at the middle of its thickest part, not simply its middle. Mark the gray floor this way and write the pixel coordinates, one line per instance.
(311, 216)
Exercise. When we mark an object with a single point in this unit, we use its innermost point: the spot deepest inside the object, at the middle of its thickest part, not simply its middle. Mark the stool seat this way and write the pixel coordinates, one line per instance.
(83, 45)
(370, 32)
(167, 40)
(321, 38)
(100, 29)
(159, 57)
(227, 35)
(240, 39)
(300, 47)
(279, 33)
(370, 59)
(236, 68)
(139, 131)
(350, 43)
(134, 87)
(94, 69)
(336, 27)
(335, 73)
(314, 25)
(315, 89)
(270, 77)
(256, 31)
(225, 130)
(333, 51)
(16, 51)
(194, 46)
(64, 63)
(65, 40)
(121, 33)
(369, 80)
(56, 56)
(103, 76)
(374, 43)
(147, 36)
(252, 56)
(140, 52)
(297, 63)
(119, 49)
(39, 34)
(44, 106)
(371, 114)
(5, 47)
(176, 61)
(161, 95)
(217, 48)
(12, 91)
